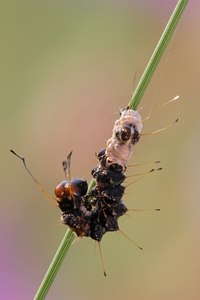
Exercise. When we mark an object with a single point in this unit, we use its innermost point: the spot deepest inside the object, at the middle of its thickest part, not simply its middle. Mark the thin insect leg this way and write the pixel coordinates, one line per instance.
(128, 238)
(101, 257)
(168, 102)
(140, 109)
(150, 113)
(161, 129)
(141, 174)
(159, 107)
(95, 243)
(145, 163)
(77, 239)
(146, 209)
(145, 174)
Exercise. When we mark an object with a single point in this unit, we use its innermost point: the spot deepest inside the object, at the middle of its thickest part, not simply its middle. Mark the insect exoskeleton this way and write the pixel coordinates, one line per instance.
(126, 133)
(71, 188)
(70, 198)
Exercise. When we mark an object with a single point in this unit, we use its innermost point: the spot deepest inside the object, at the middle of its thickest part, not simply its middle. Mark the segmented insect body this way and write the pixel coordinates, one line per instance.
(70, 198)
(126, 133)
(95, 213)
(98, 212)
(106, 196)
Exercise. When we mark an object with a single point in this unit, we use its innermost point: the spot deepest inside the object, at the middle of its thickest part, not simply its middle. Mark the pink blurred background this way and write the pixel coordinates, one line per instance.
(66, 69)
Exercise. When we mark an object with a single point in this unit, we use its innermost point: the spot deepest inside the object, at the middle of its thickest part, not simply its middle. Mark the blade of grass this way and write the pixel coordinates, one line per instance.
(157, 54)
(55, 265)
(135, 100)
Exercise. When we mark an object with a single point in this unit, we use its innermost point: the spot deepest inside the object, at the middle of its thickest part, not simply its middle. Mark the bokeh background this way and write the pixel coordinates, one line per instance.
(66, 69)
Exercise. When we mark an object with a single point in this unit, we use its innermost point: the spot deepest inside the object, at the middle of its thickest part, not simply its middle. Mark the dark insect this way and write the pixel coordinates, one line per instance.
(94, 213)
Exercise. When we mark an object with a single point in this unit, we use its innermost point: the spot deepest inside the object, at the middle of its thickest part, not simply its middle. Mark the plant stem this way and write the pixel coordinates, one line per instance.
(135, 100)
(157, 54)
(91, 185)
(55, 265)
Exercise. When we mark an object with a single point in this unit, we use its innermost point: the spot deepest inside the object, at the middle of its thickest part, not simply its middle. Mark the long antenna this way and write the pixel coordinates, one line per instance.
(41, 188)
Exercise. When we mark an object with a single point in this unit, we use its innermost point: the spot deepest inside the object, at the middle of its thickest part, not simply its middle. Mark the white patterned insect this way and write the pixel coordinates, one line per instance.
(125, 134)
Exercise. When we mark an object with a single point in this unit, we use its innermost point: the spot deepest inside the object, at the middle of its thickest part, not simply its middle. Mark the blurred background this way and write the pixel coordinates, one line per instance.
(66, 69)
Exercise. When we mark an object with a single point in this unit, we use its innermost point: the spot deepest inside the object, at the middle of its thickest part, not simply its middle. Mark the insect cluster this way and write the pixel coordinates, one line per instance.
(95, 213)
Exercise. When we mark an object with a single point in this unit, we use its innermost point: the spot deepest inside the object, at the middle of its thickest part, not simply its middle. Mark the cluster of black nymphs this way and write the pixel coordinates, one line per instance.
(97, 212)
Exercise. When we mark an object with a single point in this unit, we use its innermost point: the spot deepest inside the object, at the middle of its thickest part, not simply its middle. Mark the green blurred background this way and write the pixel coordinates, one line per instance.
(66, 69)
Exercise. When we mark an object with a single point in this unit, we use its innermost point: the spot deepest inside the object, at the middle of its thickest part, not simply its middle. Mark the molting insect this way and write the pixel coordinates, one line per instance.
(95, 212)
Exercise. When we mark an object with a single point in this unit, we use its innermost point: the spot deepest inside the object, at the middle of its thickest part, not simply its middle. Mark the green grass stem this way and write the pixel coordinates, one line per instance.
(55, 265)
(135, 100)
(157, 54)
